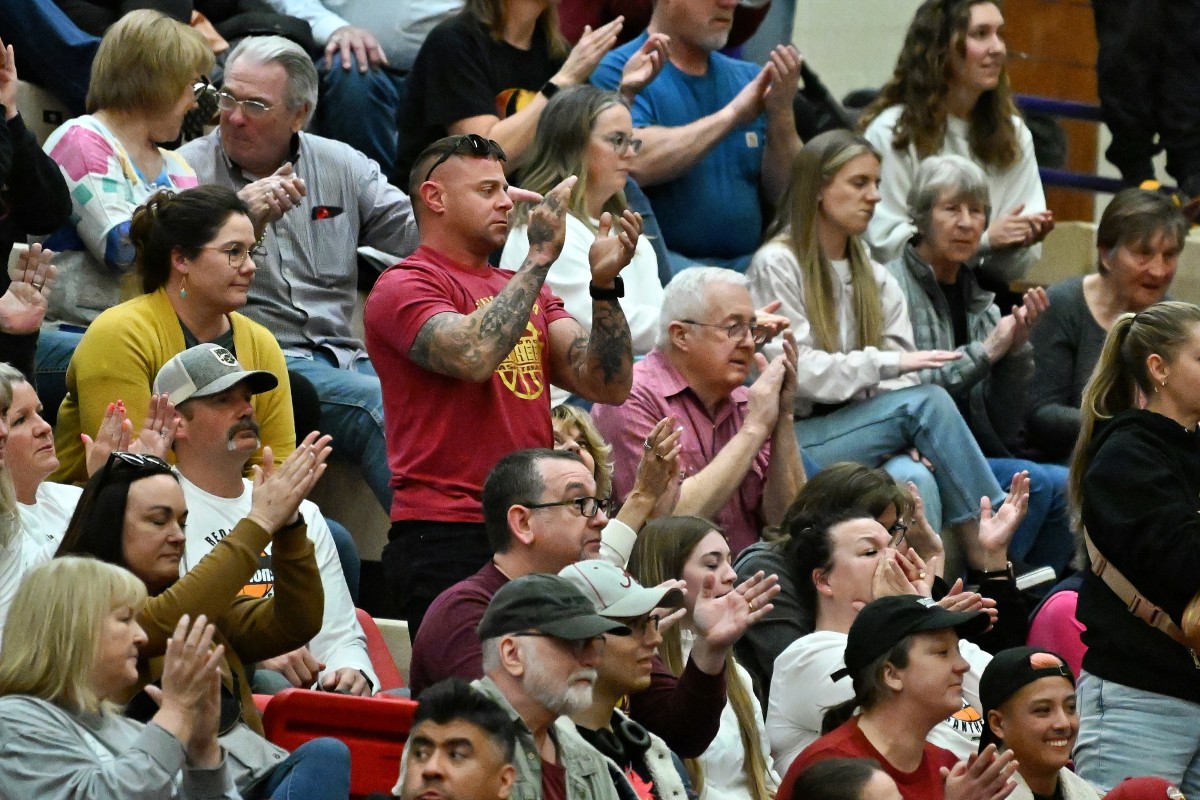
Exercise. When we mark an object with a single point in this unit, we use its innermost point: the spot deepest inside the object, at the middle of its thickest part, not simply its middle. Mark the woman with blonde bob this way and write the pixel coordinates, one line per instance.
(858, 394)
(1135, 483)
(949, 95)
(147, 74)
(71, 650)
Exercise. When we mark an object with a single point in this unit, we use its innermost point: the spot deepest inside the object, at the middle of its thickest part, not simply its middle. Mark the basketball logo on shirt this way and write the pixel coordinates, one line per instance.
(521, 369)
(510, 101)
(262, 582)
(967, 722)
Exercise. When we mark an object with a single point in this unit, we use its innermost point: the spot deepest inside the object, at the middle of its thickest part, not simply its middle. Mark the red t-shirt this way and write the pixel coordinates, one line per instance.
(847, 741)
(554, 781)
(444, 435)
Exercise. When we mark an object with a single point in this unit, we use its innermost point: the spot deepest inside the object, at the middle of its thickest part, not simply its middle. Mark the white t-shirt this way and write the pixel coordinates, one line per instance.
(42, 525)
(802, 690)
(341, 642)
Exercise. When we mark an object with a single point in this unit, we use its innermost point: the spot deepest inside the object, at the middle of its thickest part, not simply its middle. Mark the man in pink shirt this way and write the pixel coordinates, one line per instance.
(740, 457)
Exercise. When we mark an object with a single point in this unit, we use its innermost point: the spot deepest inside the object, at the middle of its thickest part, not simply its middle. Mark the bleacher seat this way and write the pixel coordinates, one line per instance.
(381, 657)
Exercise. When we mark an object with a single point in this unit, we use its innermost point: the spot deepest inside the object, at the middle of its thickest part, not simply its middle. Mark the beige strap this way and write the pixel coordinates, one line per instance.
(1134, 600)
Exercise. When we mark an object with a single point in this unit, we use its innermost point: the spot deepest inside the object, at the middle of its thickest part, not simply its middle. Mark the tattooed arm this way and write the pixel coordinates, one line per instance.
(470, 346)
(599, 367)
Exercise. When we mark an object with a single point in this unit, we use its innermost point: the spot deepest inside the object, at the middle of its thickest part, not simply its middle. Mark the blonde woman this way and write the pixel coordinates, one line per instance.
(858, 396)
(70, 653)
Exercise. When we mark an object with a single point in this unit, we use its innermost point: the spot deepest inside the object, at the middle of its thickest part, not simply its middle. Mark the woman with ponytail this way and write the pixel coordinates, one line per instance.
(902, 657)
(1135, 484)
(195, 257)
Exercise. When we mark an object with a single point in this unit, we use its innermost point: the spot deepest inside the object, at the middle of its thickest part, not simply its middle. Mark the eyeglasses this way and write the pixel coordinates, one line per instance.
(473, 145)
(897, 531)
(736, 330)
(588, 506)
(638, 626)
(203, 86)
(122, 462)
(621, 141)
(237, 253)
(578, 646)
(251, 108)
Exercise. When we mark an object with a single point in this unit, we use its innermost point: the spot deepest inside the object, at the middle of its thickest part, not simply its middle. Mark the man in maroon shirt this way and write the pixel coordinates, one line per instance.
(534, 502)
(465, 353)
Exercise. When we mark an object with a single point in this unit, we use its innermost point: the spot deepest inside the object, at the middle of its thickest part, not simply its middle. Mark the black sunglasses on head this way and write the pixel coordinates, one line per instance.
(472, 144)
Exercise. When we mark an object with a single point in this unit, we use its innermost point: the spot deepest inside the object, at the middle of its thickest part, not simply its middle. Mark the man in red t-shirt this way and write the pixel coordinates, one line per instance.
(465, 353)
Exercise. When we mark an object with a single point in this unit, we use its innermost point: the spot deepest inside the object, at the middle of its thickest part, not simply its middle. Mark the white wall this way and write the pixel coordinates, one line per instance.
(852, 44)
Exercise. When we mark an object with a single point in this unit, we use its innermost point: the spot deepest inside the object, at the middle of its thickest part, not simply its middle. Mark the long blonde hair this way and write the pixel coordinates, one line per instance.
(1121, 373)
(53, 629)
(662, 548)
(818, 162)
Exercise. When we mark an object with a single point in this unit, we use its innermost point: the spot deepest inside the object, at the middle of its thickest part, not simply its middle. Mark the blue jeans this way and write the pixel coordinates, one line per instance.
(1044, 538)
(1126, 732)
(874, 431)
(360, 109)
(352, 412)
(54, 351)
(319, 769)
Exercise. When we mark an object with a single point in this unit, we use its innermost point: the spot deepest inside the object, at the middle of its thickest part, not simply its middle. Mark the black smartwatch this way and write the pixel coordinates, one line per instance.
(615, 293)
(549, 89)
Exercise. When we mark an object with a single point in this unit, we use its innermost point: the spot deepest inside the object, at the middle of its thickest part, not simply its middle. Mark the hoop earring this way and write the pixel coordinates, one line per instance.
(183, 289)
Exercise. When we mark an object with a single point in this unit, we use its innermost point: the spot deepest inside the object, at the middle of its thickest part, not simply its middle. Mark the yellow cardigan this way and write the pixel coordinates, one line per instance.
(122, 352)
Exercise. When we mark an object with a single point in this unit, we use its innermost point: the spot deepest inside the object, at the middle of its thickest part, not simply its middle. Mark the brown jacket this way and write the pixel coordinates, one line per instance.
(252, 629)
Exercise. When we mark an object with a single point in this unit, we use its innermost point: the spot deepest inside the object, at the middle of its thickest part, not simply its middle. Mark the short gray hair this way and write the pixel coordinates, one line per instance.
(963, 178)
(302, 74)
(490, 654)
(684, 295)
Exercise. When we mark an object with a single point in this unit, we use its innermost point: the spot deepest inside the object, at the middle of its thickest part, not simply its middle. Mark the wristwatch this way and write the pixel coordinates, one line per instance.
(616, 292)
(549, 89)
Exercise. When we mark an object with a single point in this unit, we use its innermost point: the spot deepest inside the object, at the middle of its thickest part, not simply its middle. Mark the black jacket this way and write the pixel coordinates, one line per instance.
(1141, 506)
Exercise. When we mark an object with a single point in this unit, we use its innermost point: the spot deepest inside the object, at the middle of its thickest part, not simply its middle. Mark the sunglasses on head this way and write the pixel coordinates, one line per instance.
(473, 145)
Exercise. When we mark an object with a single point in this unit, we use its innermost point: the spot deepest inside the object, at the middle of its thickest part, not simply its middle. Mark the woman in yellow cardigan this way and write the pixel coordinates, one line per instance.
(195, 254)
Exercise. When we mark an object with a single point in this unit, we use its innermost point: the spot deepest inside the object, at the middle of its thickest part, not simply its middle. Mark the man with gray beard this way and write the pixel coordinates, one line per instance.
(216, 436)
(542, 641)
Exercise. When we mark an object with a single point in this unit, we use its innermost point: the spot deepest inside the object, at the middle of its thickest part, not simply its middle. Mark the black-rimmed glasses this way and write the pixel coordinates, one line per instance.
(237, 254)
(251, 108)
(736, 330)
(638, 626)
(588, 506)
(578, 646)
(472, 144)
(897, 531)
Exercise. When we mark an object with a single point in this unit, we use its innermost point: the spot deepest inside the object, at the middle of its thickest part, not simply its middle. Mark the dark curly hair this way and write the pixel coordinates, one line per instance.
(921, 82)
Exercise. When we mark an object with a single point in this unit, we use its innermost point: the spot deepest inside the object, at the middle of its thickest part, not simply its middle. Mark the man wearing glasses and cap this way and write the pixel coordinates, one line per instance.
(314, 202)
(739, 452)
(542, 641)
(467, 353)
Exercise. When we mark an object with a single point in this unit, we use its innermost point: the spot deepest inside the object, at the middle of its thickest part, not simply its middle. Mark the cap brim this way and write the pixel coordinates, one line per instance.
(643, 600)
(583, 627)
(258, 380)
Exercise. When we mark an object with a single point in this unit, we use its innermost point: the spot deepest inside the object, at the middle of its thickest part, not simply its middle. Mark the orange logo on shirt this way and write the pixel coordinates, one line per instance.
(262, 582)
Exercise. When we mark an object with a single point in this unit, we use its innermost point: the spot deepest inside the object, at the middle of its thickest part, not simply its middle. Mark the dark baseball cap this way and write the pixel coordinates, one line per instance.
(1011, 670)
(205, 370)
(545, 603)
(884, 622)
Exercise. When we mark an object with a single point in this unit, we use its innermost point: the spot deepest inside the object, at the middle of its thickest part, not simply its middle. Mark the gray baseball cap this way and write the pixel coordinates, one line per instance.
(205, 370)
(615, 593)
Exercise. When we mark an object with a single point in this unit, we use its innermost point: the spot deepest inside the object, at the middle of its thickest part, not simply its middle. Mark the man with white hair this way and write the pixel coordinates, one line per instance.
(739, 450)
(542, 641)
(314, 202)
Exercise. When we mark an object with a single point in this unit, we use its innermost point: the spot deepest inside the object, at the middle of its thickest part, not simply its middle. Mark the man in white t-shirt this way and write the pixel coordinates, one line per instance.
(217, 435)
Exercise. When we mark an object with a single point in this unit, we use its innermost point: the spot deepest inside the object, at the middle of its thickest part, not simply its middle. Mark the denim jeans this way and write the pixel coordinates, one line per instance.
(1044, 537)
(54, 350)
(352, 412)
(319, 769)
(874, 431)
(360, 109)
(347, 552)
(1125, 732)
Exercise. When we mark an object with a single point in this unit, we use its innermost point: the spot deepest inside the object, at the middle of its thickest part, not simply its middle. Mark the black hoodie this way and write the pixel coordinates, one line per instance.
(1141, 506)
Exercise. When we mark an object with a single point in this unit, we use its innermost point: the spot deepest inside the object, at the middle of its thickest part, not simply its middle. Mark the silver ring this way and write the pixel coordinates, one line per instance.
(38, 286)
(646, 445)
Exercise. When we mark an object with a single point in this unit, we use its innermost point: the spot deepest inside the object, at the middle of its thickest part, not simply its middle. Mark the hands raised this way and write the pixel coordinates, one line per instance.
(659, 467)
(609, 254)
(644, 65)
(587, 52)
(548, 223)
(23, 306)
(278, 491)
(116, 431)
(190, 697)
(1015, 229)
(996, 530)
(983, 776)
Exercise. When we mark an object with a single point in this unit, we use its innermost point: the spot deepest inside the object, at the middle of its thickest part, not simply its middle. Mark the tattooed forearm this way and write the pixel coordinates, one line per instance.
(471, 346)
(603, 362)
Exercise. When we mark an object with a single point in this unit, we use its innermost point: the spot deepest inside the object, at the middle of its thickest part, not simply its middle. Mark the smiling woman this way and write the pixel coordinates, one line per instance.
(195, 255)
